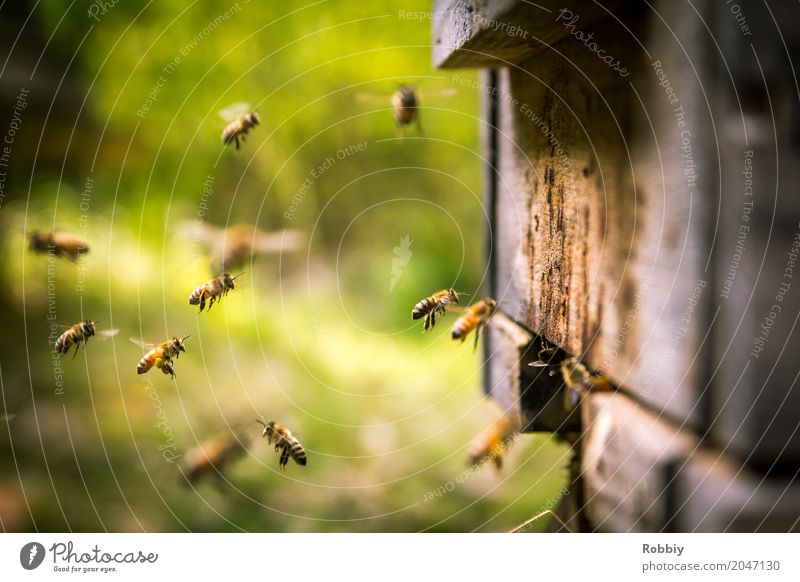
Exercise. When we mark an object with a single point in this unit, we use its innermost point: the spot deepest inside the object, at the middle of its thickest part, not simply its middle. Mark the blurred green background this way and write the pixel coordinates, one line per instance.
(119, 134)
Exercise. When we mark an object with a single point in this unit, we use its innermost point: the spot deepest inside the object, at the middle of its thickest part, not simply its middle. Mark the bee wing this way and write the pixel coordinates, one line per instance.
(540, 364)
(437, 93)
(143, 344)
(374, 98)
(106, 333)
(234, 110)
(278, 241)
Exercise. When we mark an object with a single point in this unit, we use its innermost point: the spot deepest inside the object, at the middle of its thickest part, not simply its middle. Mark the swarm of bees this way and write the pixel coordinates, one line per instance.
(78, 334)
(60, 244)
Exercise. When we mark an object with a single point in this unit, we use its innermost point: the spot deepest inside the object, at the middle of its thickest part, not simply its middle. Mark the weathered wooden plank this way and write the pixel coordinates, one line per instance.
(487, 33)
(601, 236)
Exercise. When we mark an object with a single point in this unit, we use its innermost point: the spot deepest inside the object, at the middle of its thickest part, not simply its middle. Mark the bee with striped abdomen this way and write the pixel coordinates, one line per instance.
(214, 290)
(405, 107)
(62, 245)
(160, 355)
(284, 441)
(78, 334)
(475, 317)
(492, 443)
(240, 121)
(436, 303)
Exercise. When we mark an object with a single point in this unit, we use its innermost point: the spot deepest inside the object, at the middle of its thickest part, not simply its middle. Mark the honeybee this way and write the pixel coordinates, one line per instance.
(405, 107)
(160, 355)
(436, 303)
(62, 245)
(241, 120)
(493, 441)
(285, 441)
(80, 333)
(578, 380)
(214, 289)
(474, 317)
(231, 248)
(211, 456)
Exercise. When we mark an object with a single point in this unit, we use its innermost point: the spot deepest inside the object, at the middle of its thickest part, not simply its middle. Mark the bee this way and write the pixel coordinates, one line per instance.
(80, 333)
(283, 440)
(493, 441)
(241, 120)
(405, 107)
(160, 355)
(211, 456)
(474, 317)
(430, 306)
(214, 289)
(578, 380)
(231, 248)
(62, 245)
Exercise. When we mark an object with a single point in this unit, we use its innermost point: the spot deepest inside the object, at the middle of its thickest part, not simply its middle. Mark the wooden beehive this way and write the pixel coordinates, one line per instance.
(639, 171)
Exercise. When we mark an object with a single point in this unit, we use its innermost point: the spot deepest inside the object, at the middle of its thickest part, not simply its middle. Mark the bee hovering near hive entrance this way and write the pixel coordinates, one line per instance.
(475, 317)
(214, 290)
(284, 441)
(160, 355)
(80, 333)
(578, 380)
(62, 245)
(430, 306)
(491, 444)
(240, 121)
(405, 102)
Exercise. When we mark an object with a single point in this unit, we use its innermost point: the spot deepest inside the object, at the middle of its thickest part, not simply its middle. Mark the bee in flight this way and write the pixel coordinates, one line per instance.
(578, 380)
(212, 455)
(284, 441)
(405, 107)
(78, 334)
(240, 121)
(160, 355)
(430, 306)
(475, 317)
(492, 443)
(214, 289)
(61, 244)
(232, 247)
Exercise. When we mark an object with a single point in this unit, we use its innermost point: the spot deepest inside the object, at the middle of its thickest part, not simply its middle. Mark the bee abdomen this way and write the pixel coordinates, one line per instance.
(422, 308)
(298, 453)
(462, 327)
(194, 298)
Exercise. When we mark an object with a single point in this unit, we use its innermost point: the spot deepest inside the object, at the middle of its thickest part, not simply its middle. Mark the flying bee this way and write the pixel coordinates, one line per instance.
(284, 441)
(80, 333)
(405, 102)
(160, 355)
(231, 248)
(436, 303)
(240, 121)
(214, 289)
(493, 441)
(61, 244)
(578, 380)
(212, 455)
(475, 317)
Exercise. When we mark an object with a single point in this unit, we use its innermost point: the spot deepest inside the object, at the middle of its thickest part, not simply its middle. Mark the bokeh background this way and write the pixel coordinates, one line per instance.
(118, 141)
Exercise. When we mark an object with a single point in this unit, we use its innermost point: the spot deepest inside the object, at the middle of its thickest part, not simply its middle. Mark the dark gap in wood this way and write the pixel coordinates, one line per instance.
(671, 472)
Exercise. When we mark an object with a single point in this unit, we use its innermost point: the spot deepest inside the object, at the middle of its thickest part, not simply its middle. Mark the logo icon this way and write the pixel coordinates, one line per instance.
(402, 254)
(31, 555)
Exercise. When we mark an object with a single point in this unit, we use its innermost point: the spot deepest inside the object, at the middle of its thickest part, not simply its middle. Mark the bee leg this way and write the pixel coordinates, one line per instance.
(75, 353)
(211, 303)
(284, 458)
(432, 317)
(477, 335)
(236, 140)
(202, 301)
